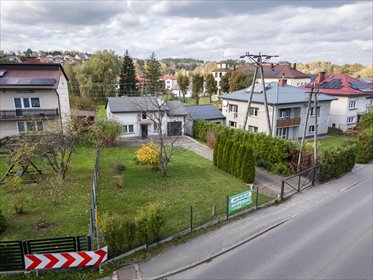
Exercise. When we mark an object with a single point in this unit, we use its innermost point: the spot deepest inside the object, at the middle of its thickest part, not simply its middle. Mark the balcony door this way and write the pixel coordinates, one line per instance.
(18, 106)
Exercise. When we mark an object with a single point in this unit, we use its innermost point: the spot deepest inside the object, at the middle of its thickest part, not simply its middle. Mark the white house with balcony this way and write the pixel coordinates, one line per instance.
(287, 106)
(142, 116)
(354, 99)
(32, 96)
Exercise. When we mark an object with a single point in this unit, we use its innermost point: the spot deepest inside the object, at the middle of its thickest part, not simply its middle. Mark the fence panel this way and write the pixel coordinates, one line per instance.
(57, 245)
(11, 256)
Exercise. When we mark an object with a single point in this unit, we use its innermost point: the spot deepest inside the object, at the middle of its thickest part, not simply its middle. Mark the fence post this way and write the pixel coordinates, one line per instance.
(299, 183)
(313, 175)
(257, 197)
(146, 241)
(191, 218)
(282, 189)
(227, 207)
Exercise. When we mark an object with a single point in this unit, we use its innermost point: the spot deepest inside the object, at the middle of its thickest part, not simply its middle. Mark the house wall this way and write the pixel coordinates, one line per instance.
(178, 93)
(63, 94)
(296, 82)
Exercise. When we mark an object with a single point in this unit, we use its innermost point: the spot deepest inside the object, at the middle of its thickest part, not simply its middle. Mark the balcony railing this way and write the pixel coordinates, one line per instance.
(288, 122)
(28, 114)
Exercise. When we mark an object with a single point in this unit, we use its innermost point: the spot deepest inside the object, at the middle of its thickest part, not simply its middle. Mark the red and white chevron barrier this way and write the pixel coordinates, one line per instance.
(63, 260)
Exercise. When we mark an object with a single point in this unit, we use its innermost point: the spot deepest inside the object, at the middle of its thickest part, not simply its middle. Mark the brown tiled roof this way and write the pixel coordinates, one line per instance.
(276, 71)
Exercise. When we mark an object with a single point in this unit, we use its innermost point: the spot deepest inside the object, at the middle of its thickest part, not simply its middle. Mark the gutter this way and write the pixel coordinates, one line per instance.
(59, 107)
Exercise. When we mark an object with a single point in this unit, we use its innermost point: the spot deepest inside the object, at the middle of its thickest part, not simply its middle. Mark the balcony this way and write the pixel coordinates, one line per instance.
(21, 114)
(288, 122)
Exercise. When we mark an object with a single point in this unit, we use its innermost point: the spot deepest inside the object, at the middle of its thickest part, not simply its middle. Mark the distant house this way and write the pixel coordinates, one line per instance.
(221, 70)
(178, 93)
(354, 98)
(275, 72)
(206, 112)
(287, 110)
(32, 97)
(137, 114)
(169, 81)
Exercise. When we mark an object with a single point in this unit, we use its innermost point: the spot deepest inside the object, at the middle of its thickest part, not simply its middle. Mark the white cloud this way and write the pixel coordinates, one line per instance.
(299, 31)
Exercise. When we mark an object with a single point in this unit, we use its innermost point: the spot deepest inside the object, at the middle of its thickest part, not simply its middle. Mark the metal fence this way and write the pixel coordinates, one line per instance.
(93, 231)
(300, 181)
(12, 252)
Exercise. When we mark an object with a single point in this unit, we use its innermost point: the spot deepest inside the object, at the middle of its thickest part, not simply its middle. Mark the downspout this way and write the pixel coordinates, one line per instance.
(59, 108)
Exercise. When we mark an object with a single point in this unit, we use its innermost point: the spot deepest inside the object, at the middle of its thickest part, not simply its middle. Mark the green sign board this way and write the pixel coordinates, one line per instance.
(238, 201)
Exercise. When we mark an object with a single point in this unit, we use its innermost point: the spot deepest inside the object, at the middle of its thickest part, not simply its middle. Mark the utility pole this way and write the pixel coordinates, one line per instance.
(315, 131)
(258, 60)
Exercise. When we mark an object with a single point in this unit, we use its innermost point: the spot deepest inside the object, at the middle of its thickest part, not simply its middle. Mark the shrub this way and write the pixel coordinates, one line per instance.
(108, 132)
(365, 146)
(266, 164)
(248, 166)
(216, 147)
(150, 220)
(226, 155)
(281, 169)
(20, 203)
(232, 158)
(148, 154)
(3, 224)
(211, 139)
(118, 232)
(366, 121)
(238, 163)
(219, 161)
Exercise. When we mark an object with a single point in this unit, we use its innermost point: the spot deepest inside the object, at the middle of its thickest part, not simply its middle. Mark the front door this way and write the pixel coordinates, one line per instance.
(144, 131)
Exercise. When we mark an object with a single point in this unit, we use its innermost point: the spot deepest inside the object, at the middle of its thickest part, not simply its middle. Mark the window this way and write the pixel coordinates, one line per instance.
(369, 102)
(128, 129)
(35, 102)
(254, 111)
(253, 128)
(143, 116)
(232, 124)
(24, 103)
(350, 119)
(220, 74)
(17, 102)
(311, 129)
(352, 105)
(285, 113)
(233, 108)
(155, 127)
(312, 112)
(282, 132)
(29, 126)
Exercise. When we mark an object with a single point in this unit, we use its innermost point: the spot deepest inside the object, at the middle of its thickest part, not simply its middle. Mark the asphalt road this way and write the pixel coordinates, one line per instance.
(331, 241)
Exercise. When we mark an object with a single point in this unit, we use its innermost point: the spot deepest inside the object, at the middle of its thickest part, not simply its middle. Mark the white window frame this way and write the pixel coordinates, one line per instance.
(126, 129)
(369, 102)
(253, 129)
(37, 124)
(254, 112)
(282, 135)
(232, 124)
(155, 127)
(29, 102)
(311, 129)
(350, 120)
(352, 105)
(283, 113)
(312, 111)
(233, 108)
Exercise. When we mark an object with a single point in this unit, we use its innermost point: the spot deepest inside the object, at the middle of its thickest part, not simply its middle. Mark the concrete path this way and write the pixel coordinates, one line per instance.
(207, 246)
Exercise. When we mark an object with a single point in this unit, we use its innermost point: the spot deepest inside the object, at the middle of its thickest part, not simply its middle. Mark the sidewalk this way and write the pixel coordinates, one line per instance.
(208, 245)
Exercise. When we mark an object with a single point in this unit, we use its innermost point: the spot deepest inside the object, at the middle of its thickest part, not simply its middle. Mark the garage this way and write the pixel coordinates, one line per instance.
(174, 128)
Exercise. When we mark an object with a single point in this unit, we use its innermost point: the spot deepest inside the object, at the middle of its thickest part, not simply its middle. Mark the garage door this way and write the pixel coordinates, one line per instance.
(174, 128)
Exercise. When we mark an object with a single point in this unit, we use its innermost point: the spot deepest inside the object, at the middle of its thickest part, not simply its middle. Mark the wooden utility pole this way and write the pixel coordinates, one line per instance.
(258, 61)
(315, 131)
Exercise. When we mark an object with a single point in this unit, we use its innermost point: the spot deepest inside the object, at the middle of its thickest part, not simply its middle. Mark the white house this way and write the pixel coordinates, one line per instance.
(221, 70)
(142, 115)
(169, 81)
(32, 96)
(354, 98)
(287, 106)
(178, 93)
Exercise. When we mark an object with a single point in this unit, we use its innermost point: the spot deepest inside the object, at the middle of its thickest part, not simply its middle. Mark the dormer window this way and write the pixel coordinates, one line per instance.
(143, 116)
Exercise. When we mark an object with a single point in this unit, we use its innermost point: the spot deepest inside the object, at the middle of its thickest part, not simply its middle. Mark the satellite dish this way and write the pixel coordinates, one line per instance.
(225, 102)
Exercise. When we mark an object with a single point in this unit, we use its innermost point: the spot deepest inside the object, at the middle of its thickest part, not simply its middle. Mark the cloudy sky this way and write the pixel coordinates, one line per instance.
(298, 31)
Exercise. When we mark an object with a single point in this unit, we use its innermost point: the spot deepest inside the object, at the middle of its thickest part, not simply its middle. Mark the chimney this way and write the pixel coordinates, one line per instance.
(294, 66)
(282, 82)
(320, 77)
(272, 66)
(32, 59)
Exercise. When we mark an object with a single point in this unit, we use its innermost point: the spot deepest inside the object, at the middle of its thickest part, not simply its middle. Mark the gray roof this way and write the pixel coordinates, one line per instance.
(205, 112)
(175, 108)
(276, 95)
(128, 104)
(132, 104)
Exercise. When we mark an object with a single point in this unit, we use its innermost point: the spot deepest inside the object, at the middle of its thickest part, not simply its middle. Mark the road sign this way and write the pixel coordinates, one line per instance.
(238, 201)
(63, 260)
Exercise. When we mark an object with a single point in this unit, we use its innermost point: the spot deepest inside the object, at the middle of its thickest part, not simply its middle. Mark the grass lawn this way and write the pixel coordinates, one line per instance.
(333, 140)
(192, 181)
(70, 216)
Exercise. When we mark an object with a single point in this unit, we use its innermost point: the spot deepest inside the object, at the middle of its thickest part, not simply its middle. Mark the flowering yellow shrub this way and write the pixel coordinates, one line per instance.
(148, 154)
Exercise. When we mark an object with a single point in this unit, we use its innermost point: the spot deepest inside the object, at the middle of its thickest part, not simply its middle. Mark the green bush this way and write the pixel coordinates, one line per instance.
(226, 155)
(365, 145)
(118, 232)
(20, 203)
(238, 163)
(108, 132)
(150, 220)
(3, 224)
(266, 164)
(219, 161)
(215, 154)
(248, 166)
(232, 158)
(366, 121)
(281, 169)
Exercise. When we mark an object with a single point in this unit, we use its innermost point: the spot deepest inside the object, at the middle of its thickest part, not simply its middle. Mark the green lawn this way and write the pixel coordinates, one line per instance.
(70, 216)
(192, 181)
(333, 140)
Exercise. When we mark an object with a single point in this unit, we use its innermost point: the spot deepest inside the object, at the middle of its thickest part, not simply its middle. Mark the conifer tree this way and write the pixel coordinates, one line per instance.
(219, 162)
(226, 155)
(152, 75)
(215, 154)
(232, 158)
(239, 158)
(127, 81)
(248, 166)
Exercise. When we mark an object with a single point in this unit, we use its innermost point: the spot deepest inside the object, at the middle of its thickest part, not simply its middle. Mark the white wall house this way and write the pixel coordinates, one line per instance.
(139, 115)
(287, 111)
(354, 99)
(177, 92)
(32, 96)
(221, 70)
(169, 81)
